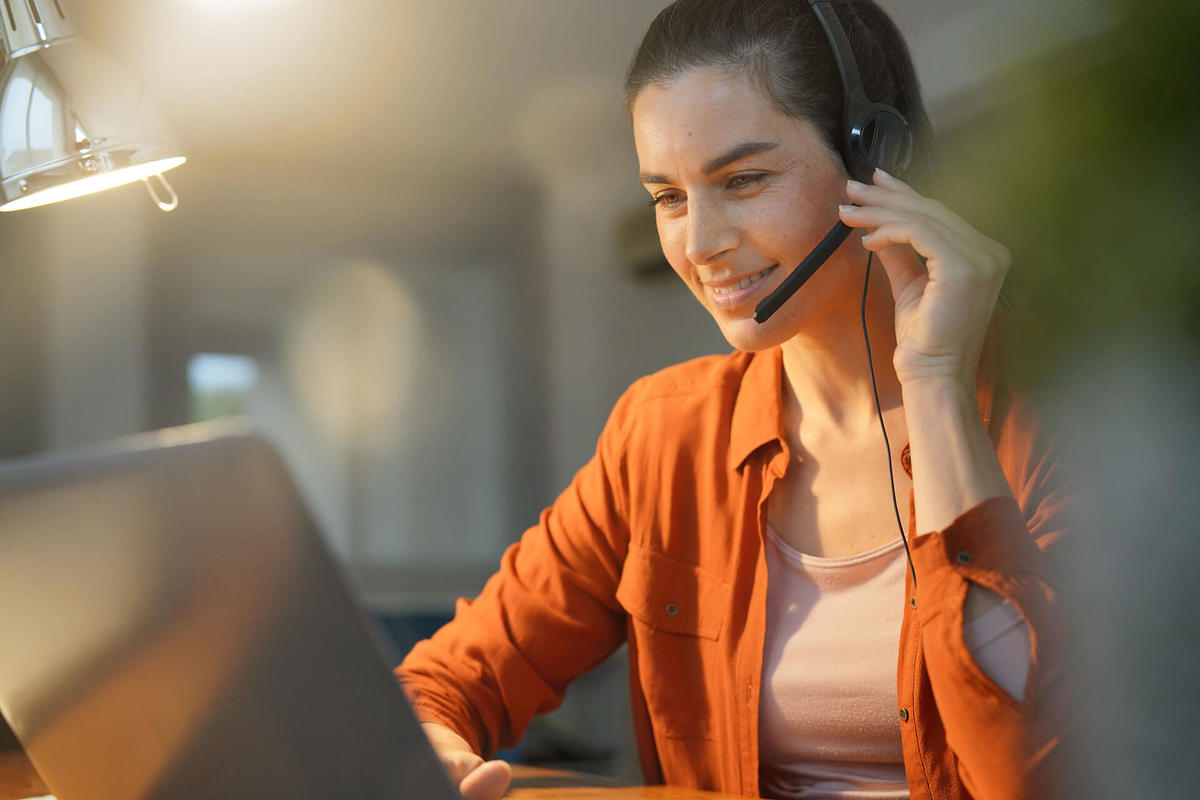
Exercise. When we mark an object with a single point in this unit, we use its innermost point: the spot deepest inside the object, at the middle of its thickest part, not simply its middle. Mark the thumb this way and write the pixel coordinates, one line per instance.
(459, 765)
(487, 781)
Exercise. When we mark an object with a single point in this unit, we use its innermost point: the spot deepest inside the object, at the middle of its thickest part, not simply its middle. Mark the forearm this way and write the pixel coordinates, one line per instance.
(954, 465)
(953, 462)
(954, 469)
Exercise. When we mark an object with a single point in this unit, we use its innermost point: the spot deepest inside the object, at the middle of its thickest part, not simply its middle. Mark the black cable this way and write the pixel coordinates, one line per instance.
(887, 444)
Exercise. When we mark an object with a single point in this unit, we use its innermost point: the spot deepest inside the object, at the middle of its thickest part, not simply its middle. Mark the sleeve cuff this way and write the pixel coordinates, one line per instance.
(988, 544)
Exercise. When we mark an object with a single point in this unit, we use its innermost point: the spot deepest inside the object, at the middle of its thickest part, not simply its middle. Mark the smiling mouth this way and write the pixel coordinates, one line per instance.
(728, 292)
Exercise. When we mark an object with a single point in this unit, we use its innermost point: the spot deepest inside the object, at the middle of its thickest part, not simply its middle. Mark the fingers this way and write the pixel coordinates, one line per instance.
(895, 193)
(880, 209)
(926, 237)
(924, 234)
(872, 217)
(488, 781)
(894, 212)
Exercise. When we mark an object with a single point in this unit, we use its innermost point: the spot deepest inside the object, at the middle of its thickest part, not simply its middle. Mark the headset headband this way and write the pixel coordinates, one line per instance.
(874, 134)
(843, 56)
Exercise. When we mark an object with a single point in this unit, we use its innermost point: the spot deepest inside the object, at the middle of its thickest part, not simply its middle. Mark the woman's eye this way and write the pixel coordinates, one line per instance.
(667, 199)
(746, 179)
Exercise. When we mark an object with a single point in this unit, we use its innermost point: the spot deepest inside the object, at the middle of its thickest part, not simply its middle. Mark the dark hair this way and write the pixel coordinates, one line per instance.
(787, 54)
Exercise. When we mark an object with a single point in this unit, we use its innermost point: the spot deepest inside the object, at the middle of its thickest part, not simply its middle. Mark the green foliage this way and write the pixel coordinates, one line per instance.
(1088, 175)
(215, 405)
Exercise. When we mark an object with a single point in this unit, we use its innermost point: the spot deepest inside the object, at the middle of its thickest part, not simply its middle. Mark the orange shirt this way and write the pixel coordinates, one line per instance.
(658, 542)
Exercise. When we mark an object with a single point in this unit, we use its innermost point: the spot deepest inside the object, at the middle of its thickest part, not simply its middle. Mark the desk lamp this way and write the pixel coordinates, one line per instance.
(72, 121)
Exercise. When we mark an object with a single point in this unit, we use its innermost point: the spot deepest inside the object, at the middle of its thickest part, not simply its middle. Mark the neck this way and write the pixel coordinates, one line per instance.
(825, 365)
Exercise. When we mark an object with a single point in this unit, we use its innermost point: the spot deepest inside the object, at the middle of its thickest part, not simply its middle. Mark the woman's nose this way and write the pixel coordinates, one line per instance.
(709, 233)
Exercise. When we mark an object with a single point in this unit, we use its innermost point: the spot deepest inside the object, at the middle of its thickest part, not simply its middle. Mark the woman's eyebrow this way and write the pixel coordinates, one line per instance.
(725, 159)
(739, 152)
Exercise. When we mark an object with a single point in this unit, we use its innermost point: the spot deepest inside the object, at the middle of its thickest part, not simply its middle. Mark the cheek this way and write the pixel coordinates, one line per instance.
(671, 238)
(791, 228)
(805, 208)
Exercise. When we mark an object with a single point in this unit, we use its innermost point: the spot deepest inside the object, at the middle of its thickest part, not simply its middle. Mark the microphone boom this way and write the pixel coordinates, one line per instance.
(811, 263)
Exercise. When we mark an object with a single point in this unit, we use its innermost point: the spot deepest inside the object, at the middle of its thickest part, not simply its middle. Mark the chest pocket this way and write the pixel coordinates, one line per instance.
(673, 596)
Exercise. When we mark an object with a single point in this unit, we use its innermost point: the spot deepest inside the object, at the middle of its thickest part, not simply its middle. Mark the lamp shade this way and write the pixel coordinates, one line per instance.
(72, 120)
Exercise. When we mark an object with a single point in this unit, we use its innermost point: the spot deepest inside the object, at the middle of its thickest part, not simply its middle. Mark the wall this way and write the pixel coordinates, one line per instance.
(75, 334)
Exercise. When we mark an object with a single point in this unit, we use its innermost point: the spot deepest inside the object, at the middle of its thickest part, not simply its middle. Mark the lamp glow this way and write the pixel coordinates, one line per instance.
(72, 121)
(93, 184)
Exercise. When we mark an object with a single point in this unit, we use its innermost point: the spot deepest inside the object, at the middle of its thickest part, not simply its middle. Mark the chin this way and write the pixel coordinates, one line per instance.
(746, 334)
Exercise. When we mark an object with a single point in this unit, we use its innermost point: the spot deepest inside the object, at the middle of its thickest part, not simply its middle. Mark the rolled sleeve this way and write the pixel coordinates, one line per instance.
(998, 739)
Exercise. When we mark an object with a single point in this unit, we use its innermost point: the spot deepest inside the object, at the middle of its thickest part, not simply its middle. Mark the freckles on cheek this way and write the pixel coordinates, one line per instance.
(803, 218)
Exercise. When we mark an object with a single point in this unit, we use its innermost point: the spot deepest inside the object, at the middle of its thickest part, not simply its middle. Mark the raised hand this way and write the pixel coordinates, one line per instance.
(944, 305)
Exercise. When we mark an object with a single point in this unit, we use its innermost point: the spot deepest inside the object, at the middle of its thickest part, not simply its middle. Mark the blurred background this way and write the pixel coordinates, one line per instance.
(412, 249)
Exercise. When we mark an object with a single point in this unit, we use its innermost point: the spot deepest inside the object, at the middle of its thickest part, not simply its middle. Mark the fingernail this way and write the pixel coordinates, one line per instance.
(852, 184)
(846, 208)
(879, 170)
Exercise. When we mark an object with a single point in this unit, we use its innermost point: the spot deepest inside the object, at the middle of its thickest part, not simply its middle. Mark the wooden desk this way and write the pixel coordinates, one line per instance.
(626, 793)
(18, 780)
(533, 783)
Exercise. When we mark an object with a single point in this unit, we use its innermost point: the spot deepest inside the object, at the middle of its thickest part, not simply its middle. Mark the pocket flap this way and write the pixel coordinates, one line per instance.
(672, 595)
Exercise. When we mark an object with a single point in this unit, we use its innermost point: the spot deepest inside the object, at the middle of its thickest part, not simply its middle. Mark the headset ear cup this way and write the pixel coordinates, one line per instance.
(883, 140)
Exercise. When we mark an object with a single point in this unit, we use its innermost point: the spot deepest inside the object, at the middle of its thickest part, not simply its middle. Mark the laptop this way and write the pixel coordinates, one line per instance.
(171, 626)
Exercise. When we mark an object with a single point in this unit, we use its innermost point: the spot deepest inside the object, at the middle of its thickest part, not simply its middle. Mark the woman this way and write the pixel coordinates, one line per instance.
(736, 525)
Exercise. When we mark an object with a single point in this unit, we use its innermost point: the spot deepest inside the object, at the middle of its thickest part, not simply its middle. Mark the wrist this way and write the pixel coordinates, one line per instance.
(937, 387)
(954, 464)
(917, 369)
(443, 737)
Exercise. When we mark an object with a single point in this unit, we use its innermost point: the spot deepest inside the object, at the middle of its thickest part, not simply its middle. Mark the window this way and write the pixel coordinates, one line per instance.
(219, 385)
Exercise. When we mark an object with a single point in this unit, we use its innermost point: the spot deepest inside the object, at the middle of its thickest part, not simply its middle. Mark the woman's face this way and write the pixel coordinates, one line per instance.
(744, 192)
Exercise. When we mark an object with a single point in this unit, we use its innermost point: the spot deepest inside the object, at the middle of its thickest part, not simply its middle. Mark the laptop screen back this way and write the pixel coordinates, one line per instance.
(172, 627)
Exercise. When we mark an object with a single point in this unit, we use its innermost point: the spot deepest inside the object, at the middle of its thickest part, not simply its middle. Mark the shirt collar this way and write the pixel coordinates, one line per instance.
(758, 407)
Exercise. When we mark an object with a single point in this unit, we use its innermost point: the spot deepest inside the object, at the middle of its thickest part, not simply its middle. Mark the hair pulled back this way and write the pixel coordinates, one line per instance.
(783, 48)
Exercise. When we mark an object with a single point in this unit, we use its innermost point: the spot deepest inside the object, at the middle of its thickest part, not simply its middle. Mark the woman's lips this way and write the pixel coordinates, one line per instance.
(738, 293)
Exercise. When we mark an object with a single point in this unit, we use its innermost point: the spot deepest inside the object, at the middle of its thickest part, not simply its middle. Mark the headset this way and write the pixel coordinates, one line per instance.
(873, 135)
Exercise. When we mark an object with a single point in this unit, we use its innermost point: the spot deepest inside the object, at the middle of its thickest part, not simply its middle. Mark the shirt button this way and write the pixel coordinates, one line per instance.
(912, 601)
(904, 715)
(672, 609)
(964, 557)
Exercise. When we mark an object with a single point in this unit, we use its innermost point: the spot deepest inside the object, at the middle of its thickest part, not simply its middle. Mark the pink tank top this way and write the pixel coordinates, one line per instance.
(828, 724)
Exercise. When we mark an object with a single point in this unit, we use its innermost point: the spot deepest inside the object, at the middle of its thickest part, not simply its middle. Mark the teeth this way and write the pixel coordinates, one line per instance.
(742, 284)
